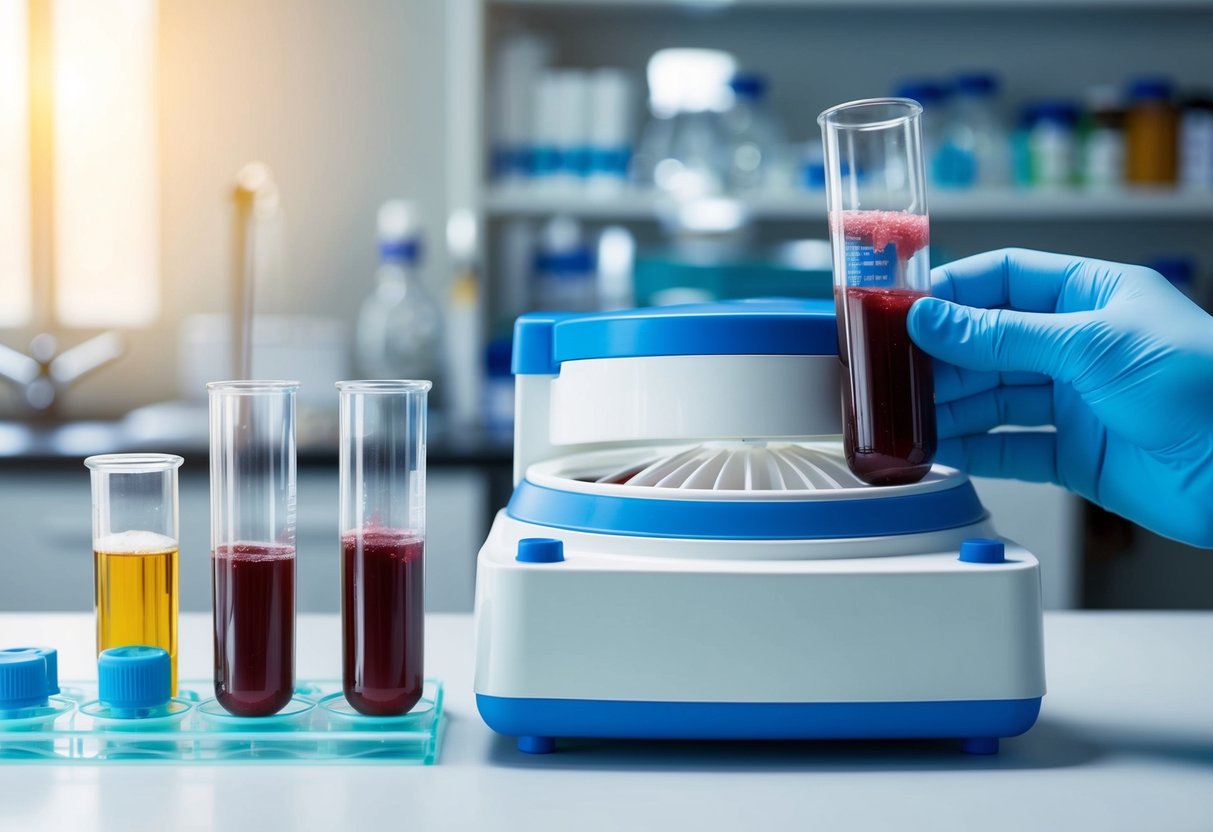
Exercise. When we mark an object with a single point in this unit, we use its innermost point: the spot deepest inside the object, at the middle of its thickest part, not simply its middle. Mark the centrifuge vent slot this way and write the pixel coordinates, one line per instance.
(742, 466)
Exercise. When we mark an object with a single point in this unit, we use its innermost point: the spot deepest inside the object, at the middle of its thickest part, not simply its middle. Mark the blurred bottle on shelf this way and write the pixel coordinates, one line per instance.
(1102, 163)
(517, 64)
(1196, 142)
(564, 276)
(684, 150)
(754, 137)
(399, 334)
(464, 324)
(933, 96)
(1150, 132)
(976, 149)
(560, 130)
(1179, 270)
(498, 388)
(1051, 144)
(610, 130)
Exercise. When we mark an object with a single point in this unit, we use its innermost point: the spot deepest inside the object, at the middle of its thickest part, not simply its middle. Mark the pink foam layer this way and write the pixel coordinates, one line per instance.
(909, 232)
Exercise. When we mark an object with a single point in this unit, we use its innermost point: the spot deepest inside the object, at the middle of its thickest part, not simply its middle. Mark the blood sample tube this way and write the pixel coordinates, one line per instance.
(253, 543)
(876, 196)
(382, 494)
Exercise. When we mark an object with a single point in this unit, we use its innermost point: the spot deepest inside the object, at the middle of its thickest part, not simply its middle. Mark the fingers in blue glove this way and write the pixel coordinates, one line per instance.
(1017, 455)
(1022, 406)
(1026, 280)
(952, 382)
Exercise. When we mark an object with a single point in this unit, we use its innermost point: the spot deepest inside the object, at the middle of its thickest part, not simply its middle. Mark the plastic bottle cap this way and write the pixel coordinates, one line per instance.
(1150, 88)
(22, 679)
(749, 85)
(134, 677)
(51, 656)
(922, 91)
(983, 550)
(977, 83)
(540, 550)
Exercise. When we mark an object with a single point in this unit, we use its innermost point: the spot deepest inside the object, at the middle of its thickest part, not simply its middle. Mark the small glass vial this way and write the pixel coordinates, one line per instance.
(252, 437)
(876, 196)
(135, 551)
(382, 480)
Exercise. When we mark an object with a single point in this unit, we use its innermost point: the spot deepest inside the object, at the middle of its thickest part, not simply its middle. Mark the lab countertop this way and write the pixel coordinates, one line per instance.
(1124, 742)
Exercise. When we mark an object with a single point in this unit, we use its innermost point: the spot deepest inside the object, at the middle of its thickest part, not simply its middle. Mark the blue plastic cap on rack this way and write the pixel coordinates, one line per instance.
(983, 550)
(51, 656)
(977, 83)
(749, 85)
(540, 550)
(22, 679)
(134, 677)
(1151, 88)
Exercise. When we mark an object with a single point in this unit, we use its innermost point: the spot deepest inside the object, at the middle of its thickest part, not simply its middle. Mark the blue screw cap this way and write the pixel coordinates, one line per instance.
(540, 550)
(134, 678)
(51, 655)
(22, 679)
(983, 550)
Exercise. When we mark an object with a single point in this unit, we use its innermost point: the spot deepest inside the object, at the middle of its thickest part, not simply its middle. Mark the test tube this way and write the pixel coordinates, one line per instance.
(382, 494)
(253, 543)
(879, 232)
(135, 552)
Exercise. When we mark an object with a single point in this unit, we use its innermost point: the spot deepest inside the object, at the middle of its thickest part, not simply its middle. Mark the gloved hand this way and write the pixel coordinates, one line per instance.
(1113, 355)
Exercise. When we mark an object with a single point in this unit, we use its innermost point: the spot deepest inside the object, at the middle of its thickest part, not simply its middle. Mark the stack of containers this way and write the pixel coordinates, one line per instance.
(558, 129)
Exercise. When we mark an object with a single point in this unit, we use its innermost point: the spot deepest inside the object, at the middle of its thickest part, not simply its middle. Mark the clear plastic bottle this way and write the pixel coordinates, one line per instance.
(400, 325)
(976, 151)
(565, 279)
(1052, 141)
(1196, 142)
(1102, 163)
(754, 137)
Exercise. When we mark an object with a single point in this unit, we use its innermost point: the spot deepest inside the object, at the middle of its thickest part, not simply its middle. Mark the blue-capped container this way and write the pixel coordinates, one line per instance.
(1151, 132)
(134, 688)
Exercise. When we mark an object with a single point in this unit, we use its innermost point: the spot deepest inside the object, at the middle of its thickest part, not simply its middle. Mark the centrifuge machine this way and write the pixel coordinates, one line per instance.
(687, 555)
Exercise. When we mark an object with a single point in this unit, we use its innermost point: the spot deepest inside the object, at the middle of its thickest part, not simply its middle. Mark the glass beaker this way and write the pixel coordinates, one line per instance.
(382, 476)
(879, 231)
(135, 551)
(253, 543)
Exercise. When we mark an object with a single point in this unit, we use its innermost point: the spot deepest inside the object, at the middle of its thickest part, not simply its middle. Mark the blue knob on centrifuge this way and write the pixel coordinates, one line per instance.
(134, 678)
(22, 680)
(983, 550)
(540, 550)
(51, 655)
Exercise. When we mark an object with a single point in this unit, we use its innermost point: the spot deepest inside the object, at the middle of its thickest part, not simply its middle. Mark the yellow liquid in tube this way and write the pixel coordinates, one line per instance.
(135, 580)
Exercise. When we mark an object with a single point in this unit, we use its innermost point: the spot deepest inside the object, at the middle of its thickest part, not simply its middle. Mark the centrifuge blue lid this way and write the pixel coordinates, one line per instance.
(543, 340)
(134, 677)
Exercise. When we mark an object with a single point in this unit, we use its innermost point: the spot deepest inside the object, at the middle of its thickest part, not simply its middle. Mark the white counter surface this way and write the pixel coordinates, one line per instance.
(1124, 741)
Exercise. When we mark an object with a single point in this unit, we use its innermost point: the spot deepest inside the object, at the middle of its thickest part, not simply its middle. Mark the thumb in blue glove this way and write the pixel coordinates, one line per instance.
(1112, 355)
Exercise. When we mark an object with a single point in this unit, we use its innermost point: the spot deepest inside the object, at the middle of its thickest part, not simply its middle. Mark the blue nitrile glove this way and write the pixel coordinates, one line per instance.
(1113, 355)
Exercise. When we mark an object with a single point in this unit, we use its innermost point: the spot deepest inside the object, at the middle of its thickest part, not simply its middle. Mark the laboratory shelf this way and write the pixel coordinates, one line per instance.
(1074, 206)
(317, 727)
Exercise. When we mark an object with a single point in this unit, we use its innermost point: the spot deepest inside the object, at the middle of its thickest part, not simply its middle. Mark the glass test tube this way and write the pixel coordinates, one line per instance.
(135, 555)
(382, 475)
(876, 196)
(253, 543)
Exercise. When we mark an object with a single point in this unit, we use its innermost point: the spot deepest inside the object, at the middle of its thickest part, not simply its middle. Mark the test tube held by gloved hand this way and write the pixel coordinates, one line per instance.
(879, 233)
(382, 527)
(252, 435)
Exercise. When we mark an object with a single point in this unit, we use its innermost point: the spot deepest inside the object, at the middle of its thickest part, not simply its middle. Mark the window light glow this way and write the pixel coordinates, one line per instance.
(15, 278)
(106, 240)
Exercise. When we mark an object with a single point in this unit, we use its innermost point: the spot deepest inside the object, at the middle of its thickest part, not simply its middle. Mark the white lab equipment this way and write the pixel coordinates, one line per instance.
(686, 554)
